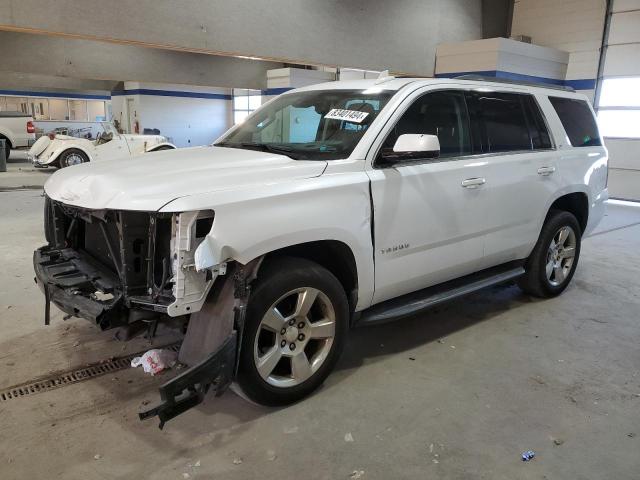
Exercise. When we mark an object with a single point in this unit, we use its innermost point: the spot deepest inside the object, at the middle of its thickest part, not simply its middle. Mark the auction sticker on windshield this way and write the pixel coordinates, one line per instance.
(346, 115)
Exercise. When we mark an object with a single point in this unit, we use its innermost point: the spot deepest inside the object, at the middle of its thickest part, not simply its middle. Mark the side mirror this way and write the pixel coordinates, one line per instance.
(412, 146)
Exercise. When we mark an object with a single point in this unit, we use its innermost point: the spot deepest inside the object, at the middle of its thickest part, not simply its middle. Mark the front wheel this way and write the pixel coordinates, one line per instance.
(554, 259)
(72, 157)
(297, 320)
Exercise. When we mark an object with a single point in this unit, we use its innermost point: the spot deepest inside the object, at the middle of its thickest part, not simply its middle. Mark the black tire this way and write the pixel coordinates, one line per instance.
(7, 147)
(276, 278)
(73, 153)
(536, 281)
(163, 147)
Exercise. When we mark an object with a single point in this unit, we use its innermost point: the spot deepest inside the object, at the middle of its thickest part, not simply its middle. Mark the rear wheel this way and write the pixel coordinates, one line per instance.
(72, 157)
(297, 320)
(554, 259)
(163, 147)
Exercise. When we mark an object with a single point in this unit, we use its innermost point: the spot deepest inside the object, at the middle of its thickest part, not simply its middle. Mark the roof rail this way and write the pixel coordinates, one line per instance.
(515, 82)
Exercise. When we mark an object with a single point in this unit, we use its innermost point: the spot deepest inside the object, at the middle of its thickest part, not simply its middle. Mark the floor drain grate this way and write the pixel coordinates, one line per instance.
(61, 379)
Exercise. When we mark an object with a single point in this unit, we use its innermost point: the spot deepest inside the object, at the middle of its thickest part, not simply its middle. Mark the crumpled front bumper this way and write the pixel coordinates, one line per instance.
(77, 285)
(190, 387)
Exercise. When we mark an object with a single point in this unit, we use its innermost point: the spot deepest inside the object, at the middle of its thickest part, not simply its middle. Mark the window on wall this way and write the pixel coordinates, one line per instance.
(39, 108)
(244, 102)
(619, 107)
(17, 104)
(58, 109)
(96, 110)
(78, 110)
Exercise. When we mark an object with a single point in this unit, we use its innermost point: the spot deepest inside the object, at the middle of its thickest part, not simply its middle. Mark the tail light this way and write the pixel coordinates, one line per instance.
(30, 127)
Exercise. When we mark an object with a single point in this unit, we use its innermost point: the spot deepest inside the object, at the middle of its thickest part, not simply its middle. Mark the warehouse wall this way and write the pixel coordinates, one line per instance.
(575, 26)
(371, 34)
(188, 115)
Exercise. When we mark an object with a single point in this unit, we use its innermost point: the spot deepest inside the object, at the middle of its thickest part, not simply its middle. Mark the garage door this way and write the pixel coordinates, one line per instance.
(619, 99)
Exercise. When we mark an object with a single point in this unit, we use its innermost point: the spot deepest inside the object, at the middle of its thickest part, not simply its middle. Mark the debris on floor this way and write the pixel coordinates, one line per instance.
(528, 455)
(348, 437)
(357, 474)
(558, 441)
(237, 461)
(97, 456)
(271, 455)
(289, 430)
(156, 360)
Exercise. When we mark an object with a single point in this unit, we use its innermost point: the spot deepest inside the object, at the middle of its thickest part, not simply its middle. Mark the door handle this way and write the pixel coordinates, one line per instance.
(546, 171)
(473, 182)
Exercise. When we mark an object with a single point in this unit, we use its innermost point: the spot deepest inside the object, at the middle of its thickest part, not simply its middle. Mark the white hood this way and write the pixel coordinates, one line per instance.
(150, 182)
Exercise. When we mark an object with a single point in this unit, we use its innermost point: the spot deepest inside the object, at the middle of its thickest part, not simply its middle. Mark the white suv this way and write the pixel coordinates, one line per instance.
(333, 205)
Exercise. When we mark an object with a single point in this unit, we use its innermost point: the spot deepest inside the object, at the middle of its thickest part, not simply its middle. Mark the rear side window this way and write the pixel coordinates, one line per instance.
(499, 121)
(578, 121)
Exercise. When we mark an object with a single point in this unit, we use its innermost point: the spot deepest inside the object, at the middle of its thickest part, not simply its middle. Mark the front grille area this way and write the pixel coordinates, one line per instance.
(132, 247)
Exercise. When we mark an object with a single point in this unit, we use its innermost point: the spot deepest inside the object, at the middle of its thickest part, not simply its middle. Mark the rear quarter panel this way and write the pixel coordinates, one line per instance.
(579, 169)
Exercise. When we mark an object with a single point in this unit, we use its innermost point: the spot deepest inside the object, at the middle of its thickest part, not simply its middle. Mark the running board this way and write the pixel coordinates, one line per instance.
(415, 302)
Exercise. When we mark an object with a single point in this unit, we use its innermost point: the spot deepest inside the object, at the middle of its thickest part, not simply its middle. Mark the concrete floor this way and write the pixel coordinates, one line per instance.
(457, 393)
(22, 174)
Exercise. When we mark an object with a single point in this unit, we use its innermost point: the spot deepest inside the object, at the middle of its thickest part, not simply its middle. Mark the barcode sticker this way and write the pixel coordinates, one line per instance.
(346, 115)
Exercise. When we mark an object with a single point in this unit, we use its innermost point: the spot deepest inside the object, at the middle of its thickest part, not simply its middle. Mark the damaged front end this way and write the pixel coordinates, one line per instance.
(122, 268)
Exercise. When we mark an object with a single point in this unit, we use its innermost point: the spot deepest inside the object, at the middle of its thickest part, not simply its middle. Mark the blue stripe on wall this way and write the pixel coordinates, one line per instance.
(585, 84)
(26, 93)
(172, 93)
(276, 91)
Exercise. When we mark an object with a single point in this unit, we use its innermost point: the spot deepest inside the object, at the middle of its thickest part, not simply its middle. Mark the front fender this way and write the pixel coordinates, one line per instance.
(249, 224)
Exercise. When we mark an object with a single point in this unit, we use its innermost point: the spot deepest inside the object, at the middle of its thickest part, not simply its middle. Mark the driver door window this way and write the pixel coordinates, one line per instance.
(443, 114)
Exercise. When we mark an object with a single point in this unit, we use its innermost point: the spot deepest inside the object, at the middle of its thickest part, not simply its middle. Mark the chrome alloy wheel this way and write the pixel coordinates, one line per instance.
(561, 254)
(74, 159)
(294, 337)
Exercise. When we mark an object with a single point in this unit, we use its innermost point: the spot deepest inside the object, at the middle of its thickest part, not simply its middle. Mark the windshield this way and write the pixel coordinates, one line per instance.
(313, 125)
(109, 128)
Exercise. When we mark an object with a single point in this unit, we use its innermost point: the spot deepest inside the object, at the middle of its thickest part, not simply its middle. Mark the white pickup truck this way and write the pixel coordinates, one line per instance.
(17, 130)
(331, 206)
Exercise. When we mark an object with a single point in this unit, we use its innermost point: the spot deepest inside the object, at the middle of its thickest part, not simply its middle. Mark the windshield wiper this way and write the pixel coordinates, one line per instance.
(261, 147)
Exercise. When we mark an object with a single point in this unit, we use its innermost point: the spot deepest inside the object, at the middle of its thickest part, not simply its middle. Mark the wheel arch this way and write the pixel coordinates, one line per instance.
(334, 255)
(576, 203)
(7, 138)
(56, 155)
(161, 146)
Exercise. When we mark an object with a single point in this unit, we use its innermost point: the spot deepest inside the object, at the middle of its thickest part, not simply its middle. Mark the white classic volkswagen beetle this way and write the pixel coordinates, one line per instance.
(64, 151)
